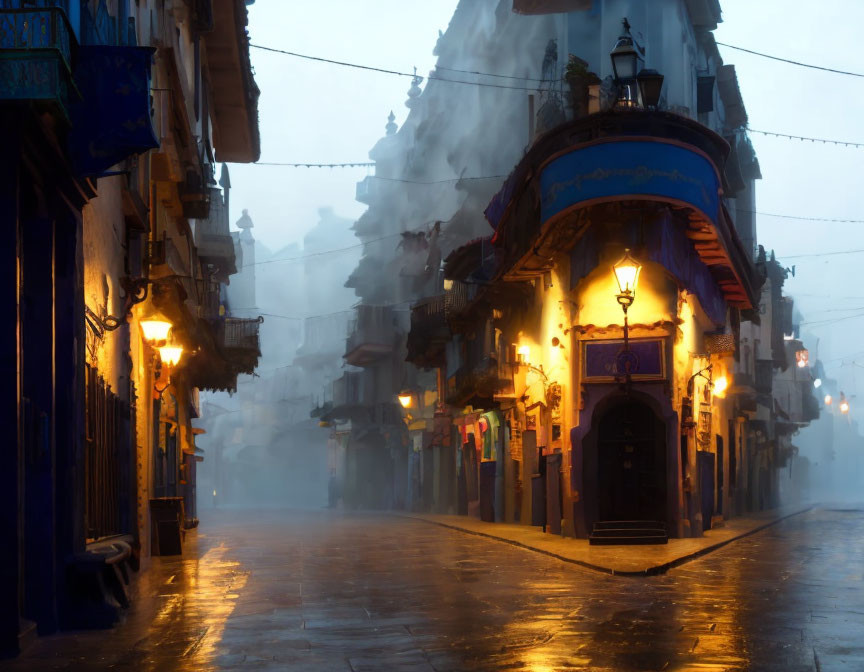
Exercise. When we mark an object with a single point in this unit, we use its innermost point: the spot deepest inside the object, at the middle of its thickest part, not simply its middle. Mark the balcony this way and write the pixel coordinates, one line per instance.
(367, 190)
(347, 389)
(475, 385)
(36, 46)
(764, 376)
(348, 399)
(213, 238)
(583, 170)
(323, 341)
(429, 332)
(373, 335)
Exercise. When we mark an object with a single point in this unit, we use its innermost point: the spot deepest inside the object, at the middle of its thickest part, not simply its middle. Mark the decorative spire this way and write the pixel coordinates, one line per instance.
(391, 126)
(245, 222)
(414, 91)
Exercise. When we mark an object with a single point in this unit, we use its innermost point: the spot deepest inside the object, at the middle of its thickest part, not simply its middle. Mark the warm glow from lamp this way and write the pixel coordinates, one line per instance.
(817, 383)
(721, 384)
(828, 399)
(405, 399)
(155, 330)
(802, 357)
(844, 406)
(801, 363)
(170, 354)
(524, 352)
(627, 272)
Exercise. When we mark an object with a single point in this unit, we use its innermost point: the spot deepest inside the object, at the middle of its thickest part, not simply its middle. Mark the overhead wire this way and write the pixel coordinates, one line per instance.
(790, 61)
(387, 71)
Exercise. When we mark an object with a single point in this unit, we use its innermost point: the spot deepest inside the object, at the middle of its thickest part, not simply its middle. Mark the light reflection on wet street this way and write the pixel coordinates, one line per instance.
(331, 591)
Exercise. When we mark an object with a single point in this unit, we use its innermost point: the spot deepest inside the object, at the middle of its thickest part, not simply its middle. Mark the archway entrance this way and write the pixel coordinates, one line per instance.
(631, 447)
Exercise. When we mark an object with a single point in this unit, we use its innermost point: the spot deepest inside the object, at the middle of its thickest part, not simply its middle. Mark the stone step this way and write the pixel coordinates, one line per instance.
(628, 541)
(629, 532)
(629, 524)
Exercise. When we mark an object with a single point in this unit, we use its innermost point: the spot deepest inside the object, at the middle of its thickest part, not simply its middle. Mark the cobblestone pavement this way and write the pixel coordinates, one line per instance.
(330, 591)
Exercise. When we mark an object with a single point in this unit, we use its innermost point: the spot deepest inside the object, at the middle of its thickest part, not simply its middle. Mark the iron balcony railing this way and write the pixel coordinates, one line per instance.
(36, 46)
(242, 333)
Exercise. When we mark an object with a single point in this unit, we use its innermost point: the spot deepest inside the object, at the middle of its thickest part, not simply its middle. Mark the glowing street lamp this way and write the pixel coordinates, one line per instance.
(828, 399)
(626, 273)
(721, 384)
(170, 354)
(406, 398)
(844, 405)
(155, 330)
(817, 383)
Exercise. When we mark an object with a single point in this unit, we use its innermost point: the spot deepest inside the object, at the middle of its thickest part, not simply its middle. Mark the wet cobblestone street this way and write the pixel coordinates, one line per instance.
(331, 591)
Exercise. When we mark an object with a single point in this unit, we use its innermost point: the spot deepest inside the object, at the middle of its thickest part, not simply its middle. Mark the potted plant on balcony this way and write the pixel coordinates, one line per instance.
(579, 79)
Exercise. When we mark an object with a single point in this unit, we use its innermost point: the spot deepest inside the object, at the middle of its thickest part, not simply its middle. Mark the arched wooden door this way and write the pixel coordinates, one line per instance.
(631, 463)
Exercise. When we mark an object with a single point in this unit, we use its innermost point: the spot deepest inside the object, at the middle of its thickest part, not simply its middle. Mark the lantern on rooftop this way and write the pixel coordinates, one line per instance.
(627, 61)
(650, 86)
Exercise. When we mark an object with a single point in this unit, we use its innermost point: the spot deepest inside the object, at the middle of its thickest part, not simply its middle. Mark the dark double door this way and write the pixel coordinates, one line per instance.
(631, 464)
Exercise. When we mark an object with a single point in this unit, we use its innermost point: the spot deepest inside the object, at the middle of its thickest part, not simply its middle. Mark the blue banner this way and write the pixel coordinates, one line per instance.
(630, 169)
(604, 360)
(113, 120)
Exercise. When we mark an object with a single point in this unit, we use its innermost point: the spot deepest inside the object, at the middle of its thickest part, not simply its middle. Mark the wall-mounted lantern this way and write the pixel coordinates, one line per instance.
(802, 358)
(406, 398)
(523, 354)
(817, 383)
(155, 330)
(170, 354)
(844, 405)
(720, 386)
(829, 400)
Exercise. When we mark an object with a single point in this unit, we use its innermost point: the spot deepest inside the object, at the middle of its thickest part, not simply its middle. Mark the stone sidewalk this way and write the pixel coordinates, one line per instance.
(617, 560)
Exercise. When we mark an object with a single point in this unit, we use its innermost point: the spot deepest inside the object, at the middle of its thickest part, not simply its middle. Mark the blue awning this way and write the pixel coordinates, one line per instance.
(113, 119)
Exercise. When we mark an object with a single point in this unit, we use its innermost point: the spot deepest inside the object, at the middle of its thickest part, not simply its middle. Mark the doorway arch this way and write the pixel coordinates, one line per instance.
(631, 462)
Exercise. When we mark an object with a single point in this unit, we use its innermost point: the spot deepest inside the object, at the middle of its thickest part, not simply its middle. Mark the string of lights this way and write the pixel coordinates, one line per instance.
(803, 138)
(386, 71)
(365, 164)
(790, 61)
(821, 254)
(802, 218)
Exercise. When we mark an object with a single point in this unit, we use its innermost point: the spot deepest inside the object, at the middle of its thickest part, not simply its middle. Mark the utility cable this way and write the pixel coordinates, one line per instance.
(389, 72)
(791, 62)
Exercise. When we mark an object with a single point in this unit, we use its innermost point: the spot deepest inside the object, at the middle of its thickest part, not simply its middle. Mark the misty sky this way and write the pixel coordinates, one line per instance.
(318, 112)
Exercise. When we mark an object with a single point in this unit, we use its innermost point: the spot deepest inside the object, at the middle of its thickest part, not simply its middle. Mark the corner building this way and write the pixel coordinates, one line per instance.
(570, 417)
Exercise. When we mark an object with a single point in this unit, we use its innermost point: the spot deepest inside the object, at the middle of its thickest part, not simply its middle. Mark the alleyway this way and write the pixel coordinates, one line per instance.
(327, 591)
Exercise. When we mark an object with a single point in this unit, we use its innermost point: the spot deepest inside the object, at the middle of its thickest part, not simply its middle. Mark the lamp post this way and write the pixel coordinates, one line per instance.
(627, 60)
(626, 273)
